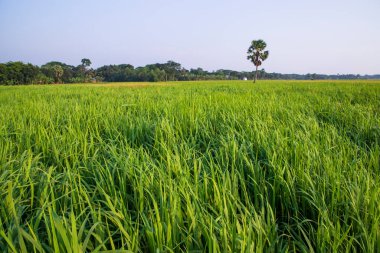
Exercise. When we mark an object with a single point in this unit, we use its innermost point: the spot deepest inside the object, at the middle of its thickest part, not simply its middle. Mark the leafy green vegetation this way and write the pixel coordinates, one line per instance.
(191, 167)
(16, 73)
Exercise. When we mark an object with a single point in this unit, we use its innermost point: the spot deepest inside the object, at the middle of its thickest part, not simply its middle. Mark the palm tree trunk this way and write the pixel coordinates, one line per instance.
(254, 81)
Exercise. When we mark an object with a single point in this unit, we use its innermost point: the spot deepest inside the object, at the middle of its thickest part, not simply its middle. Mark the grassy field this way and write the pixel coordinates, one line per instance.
(227, 166)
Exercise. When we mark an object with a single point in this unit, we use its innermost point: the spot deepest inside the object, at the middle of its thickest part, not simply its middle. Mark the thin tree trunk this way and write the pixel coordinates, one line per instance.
(254, 81)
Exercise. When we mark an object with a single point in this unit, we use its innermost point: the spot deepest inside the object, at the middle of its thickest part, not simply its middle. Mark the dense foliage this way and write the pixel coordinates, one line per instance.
(14, 73)
(192, 167)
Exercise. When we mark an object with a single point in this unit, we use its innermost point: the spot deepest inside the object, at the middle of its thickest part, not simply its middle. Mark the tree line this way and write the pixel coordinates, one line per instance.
(15, 73)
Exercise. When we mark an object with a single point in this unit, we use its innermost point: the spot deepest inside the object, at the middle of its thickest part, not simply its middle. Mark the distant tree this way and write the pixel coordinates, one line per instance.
(262, 74)
(14, 73)
(68, 71)
(85, 73)
(86, 62)
(3, 73)
(256, 54)
(58, 73)
(29, 72)
(172, 70)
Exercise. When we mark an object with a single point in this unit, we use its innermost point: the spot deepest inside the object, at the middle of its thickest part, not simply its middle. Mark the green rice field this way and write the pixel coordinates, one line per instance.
(211, 166)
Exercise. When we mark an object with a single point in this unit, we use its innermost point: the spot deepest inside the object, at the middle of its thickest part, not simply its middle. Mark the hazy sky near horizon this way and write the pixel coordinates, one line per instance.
(303, 36)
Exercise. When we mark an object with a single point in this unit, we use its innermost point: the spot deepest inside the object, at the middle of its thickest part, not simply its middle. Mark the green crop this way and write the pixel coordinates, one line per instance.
(227, 166)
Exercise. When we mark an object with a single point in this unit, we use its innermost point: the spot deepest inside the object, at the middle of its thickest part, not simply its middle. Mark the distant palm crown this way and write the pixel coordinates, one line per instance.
(256, 53)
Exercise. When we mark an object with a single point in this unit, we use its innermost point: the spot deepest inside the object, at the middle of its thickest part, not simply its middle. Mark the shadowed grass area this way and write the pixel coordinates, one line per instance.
(225, 166)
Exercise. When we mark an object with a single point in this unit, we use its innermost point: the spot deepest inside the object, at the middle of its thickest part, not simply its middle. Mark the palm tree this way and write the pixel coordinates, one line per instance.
(58, 73)
(256, 54)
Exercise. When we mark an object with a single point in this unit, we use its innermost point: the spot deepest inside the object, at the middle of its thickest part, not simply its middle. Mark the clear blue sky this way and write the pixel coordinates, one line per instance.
(322, 36)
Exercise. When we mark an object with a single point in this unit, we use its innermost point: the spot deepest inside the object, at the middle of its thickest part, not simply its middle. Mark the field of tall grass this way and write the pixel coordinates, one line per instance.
(227, 166)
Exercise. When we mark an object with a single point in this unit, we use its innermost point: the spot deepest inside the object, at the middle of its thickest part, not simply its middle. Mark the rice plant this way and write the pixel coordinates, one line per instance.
(218, 166)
